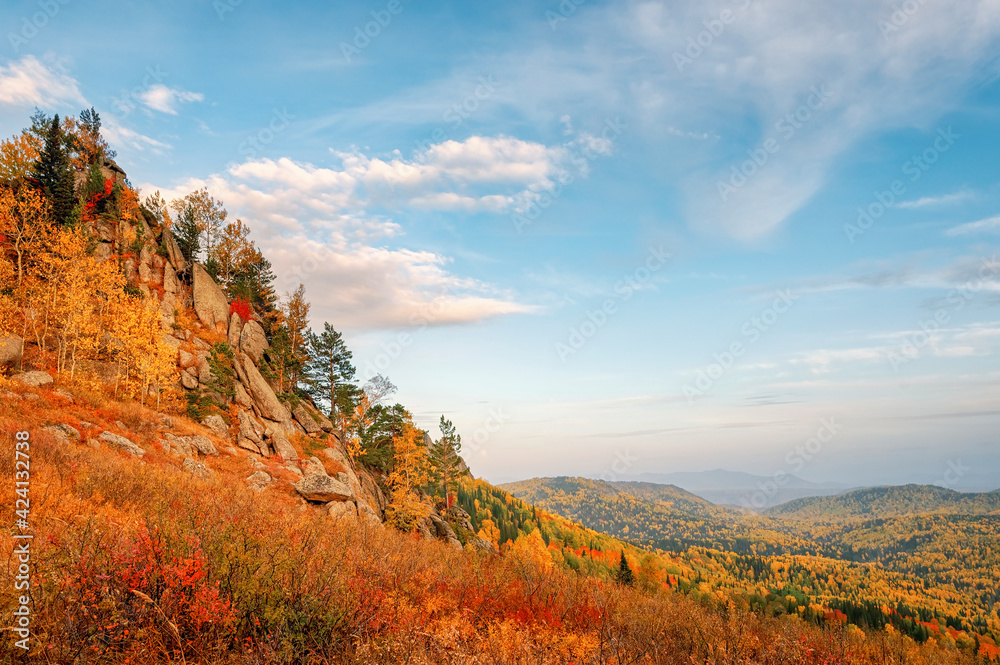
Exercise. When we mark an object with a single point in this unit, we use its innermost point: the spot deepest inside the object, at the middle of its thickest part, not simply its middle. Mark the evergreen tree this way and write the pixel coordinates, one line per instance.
(329, 371)
(445, 456)
(625, 576)
(187, 234)
(53, 174)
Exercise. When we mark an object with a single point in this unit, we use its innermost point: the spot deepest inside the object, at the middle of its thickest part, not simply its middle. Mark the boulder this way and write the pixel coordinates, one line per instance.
(188, 381)
(185, 358)
(173, 253)
(367, 513)
(209, 301)
(342, 510)
(263, 397)
(11, 349)
(242, 398)
(324, 422)
(304, 417)
(258, 480)
(281, 445)
(202, 444)
(33, 379)
(171, 284)
(323, 489)
(121, 443)
(63, 433)
(252, 341)
(217, 425)
(235, 328)
(313, 467)
(197, 469)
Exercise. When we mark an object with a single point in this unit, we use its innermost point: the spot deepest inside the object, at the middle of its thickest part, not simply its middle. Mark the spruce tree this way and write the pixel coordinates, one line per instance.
(329, 371)
(53, 174)
(187, 234)
(445, 455)
(625, 576)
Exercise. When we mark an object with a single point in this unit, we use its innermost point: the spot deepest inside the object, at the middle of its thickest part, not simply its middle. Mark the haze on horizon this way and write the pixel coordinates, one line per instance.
(686, 235)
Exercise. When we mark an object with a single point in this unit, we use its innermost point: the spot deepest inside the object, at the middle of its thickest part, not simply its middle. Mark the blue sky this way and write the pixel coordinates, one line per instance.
(603, 238)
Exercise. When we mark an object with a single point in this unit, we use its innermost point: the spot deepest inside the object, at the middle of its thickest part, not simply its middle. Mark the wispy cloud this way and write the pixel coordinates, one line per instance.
(165, 99)
(30, 82)
(936, 201)
(988, 225)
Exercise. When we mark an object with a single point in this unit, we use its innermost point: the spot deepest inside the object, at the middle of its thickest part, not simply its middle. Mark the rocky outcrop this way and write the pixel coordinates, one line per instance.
(276, 439)
(210, 302)
(258, 480)
(63, 433)
(33, 379)
(121, 443)
(11, 348)
(263, 397)
(323, 489)
(304, 418)
(444, 532)
(187, 446)
(252, 341)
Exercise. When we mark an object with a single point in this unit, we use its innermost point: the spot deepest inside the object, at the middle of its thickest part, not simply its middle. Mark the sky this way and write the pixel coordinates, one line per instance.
(604, 238)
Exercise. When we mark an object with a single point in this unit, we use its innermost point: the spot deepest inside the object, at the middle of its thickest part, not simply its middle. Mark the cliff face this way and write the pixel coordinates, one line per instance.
(222, 361)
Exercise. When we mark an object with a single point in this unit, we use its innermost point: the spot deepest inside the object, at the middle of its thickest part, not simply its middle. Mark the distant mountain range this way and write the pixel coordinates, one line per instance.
(886, 502)
(744, 490)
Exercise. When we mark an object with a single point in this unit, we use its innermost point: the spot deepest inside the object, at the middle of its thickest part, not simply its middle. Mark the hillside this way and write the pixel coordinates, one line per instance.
(198, 477)
(741, 489)
(884, 502)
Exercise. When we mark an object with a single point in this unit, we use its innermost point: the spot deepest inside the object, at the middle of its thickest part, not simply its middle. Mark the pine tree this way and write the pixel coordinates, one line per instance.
(53, 174)
(445, 456)
(187, 234)
(329, 367)
(625, 576)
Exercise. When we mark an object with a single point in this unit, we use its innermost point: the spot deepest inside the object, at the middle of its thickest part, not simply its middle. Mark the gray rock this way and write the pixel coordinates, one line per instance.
(197, 469)
(11, 349)
(264, 398)
(242, 397)
(62, 430)
(281, 445)
(235, 328)
(65, 394)
(33, 379)
(173, 251)
(258, 480)
(185, 358)
(209, 302)
(305, 419)
(252, 340)
(367, 514)
(339, 510)
(323, 489)
(121, 443)
(217, 425)
(171, 284)
(188, 381)
(202, 444)
(313, 467)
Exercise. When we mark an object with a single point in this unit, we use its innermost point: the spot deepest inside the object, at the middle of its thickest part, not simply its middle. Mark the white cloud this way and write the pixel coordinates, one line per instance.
(165, 99)
(120, 136)
(988, 225)
(934, 201)
(318, 225)
(30, 82)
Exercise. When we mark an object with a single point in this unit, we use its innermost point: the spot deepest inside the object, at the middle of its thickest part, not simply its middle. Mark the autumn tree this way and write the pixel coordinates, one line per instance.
(409, 472)
(295, 309)
(89, 145)
(147, 362)
(235, 255)
(24, 226)
(208, 215)
(17, 158)
(445, 457)
(329, 371)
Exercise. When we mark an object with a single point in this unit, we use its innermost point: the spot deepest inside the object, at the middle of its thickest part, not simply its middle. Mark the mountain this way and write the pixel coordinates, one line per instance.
(742, 489)
(884, 502)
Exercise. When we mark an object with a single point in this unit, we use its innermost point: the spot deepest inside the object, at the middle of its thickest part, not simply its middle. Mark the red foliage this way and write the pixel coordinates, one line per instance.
(242, 308)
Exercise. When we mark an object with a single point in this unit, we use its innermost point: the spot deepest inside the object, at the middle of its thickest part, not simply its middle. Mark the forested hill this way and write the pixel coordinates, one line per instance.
(883, 502)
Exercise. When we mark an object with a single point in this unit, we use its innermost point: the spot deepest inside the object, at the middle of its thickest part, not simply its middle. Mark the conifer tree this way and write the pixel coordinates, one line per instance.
(187, 234)
(329, 370)
(53, 174)
(445, 456)
(625, 576)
